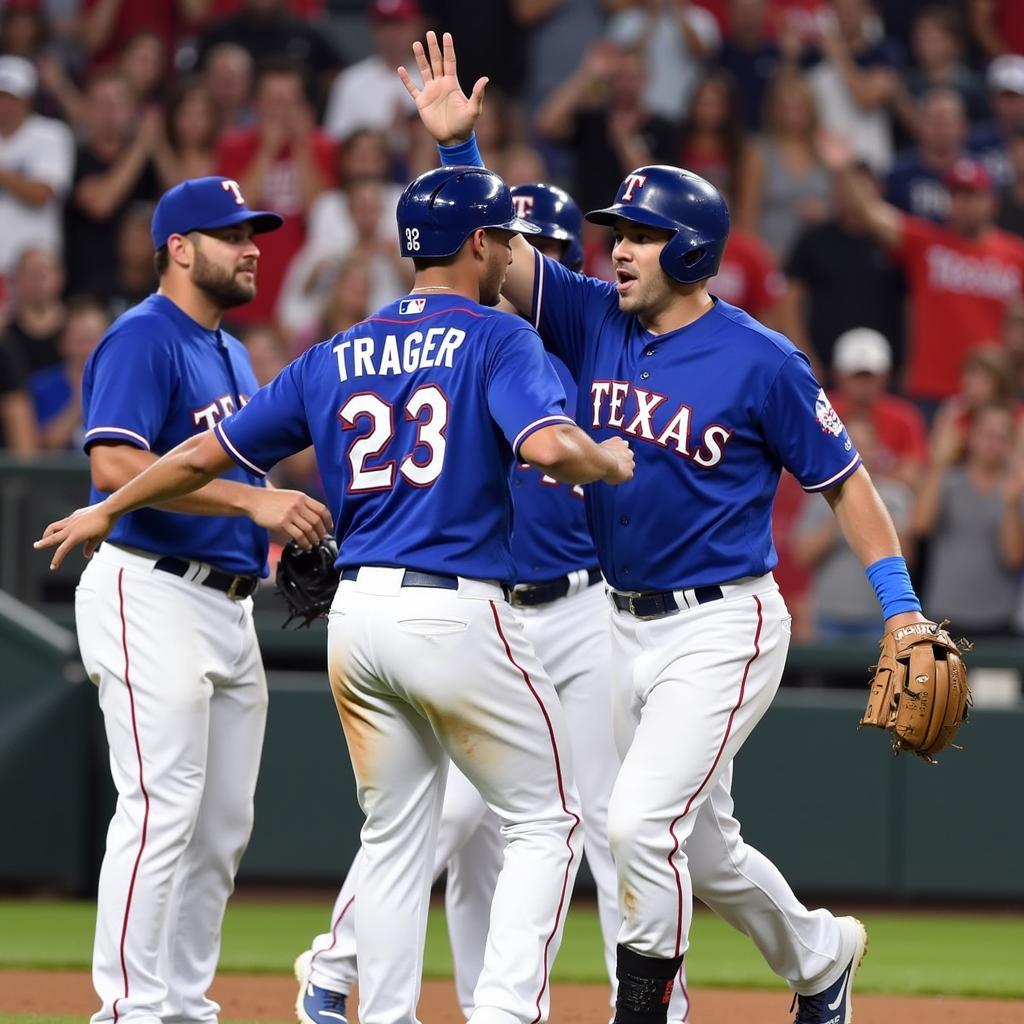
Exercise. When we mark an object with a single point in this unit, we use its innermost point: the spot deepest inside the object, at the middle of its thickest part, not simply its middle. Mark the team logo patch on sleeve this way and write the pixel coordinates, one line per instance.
(407, 307)
(826, 415)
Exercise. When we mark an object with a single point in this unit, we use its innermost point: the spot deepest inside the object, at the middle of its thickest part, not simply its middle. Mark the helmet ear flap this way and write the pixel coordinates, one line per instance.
(694, 256)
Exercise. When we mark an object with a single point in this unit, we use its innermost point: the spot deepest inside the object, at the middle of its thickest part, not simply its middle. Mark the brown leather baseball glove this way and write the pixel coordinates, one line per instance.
(920, 691)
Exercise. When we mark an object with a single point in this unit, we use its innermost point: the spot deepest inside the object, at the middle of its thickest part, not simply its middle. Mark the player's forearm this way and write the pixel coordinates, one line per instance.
(863, 519)
(567, 454)
(114, 466)
(182, 471)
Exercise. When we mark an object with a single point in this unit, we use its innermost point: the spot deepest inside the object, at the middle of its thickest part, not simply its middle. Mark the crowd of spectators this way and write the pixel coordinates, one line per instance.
(872, 155)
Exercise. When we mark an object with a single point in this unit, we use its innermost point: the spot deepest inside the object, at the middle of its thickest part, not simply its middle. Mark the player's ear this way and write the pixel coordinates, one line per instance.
(180, 250)
(477, 243)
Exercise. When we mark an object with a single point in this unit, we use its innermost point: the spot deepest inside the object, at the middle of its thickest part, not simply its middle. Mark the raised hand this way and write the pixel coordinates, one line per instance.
(88, 526)
(445, 110)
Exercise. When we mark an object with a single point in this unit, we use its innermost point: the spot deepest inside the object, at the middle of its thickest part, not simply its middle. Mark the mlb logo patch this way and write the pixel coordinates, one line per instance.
(409, 306)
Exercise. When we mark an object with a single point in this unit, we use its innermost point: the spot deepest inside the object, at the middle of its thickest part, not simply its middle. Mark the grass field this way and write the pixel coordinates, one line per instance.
(933, 954)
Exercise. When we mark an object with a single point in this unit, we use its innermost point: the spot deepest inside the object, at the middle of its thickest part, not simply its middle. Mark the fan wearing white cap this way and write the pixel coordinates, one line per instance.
(1005, 81)
(36, 164)
(861, 364)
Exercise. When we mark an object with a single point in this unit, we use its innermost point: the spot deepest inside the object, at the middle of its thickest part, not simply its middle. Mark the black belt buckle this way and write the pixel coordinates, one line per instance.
(529, 595)
(652, 605)
(235, 589)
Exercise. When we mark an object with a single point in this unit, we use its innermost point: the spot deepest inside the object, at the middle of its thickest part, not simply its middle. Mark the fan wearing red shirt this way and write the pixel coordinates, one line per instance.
(748, 277)
(283, 162)
(961, 277)
(108, 25)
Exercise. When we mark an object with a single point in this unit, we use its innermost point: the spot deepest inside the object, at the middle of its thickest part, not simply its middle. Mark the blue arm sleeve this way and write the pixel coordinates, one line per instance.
(804, 431)
(126, 389)
(524, 393)
(271, 426)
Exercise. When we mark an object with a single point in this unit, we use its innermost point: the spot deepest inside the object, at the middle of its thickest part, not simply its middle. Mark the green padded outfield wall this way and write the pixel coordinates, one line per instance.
(828, 803)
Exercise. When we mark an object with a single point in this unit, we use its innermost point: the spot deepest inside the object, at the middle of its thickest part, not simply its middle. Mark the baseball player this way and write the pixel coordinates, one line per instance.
(564, 614)
(416, 415)
(716, 405)
(164, 613)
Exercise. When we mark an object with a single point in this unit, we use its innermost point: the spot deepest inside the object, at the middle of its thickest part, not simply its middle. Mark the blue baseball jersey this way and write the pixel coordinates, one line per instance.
(416, 415)
(156, 378)
(550, 536)
(713, 412)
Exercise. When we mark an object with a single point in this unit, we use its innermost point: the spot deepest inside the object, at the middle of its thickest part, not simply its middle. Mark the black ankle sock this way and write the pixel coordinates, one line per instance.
(645, 985)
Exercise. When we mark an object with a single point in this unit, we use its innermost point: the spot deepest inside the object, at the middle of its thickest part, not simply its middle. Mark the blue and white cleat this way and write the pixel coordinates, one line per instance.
(316, 1005)
(835, 1004)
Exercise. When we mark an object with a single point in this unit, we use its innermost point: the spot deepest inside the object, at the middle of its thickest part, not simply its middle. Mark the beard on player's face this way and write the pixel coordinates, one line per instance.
(226, 286)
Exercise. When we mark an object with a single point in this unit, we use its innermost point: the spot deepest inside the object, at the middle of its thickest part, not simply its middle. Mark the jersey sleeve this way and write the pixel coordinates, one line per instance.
(804, 431)
(130, 379)
(524, 393)
(566, 309)
(271, 426)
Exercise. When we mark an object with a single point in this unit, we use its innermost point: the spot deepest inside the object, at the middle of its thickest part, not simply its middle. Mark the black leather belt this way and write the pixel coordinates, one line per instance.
(655, 604)
(528, 595)
(236, 587)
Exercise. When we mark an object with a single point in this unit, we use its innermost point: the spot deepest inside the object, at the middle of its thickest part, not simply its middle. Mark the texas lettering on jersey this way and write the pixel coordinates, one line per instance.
(638, 412)
(209, 415)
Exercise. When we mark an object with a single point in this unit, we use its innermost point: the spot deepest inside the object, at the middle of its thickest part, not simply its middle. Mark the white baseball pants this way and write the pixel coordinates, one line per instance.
(570, 636)
(688, 690)
(420, 675)
(184, 701)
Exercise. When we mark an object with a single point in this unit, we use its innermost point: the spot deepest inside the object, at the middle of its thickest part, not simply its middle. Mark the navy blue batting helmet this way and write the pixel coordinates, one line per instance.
(442, 208)
(555, 212)
(683, 203)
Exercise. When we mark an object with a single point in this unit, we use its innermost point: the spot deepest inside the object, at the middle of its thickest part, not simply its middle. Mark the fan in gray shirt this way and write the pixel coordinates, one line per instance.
(973, 514)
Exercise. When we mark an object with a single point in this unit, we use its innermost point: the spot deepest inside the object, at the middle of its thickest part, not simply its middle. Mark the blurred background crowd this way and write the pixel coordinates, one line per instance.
(872, 155)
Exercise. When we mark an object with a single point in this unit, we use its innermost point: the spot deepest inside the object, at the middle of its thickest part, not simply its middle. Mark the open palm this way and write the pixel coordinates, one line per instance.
(445, 110)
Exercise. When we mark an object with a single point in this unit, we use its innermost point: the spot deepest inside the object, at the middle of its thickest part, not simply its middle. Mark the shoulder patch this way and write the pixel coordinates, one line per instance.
(826, 416)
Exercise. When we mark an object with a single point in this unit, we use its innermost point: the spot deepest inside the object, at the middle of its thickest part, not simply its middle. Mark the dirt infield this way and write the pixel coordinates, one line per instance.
(270, 997)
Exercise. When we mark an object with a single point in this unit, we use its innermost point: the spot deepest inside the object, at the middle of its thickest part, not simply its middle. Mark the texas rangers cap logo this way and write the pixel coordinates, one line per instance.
(523, 205)
(632, 181)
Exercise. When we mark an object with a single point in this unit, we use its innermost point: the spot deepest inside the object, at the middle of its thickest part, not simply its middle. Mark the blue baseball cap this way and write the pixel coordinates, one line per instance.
(201, 204)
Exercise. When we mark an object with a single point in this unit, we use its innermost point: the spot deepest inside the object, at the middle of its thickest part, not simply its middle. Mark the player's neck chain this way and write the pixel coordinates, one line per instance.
(432, 288)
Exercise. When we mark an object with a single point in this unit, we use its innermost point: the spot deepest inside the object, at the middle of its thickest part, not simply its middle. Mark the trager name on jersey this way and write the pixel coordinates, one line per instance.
(621, 406)
(389, 356)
